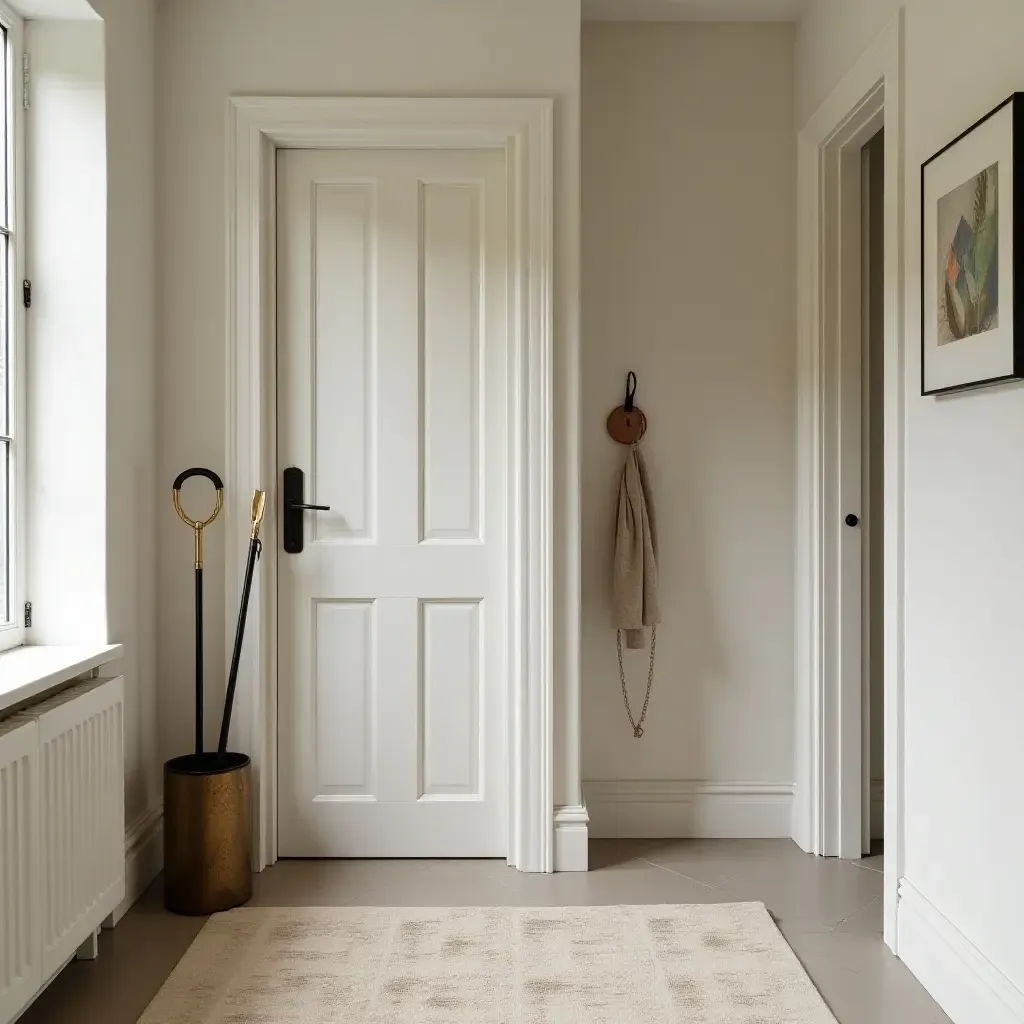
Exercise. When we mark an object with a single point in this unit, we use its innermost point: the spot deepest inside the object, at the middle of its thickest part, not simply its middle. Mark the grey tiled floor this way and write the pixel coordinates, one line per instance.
(829, 911)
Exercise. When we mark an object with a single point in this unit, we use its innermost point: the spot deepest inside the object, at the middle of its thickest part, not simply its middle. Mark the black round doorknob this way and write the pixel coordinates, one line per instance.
(852, 520)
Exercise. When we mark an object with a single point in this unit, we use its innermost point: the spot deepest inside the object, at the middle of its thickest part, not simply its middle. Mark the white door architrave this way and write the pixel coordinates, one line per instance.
(522, 130)
(828, 805)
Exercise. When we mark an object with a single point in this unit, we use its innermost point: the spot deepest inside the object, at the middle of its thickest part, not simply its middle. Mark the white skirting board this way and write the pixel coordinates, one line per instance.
(959, 977)
(144, 859)
(688, 809)
(571, 836)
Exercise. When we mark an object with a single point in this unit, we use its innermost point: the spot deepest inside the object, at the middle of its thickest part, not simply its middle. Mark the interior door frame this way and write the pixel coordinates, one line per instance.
(828, 805)
(522, 129)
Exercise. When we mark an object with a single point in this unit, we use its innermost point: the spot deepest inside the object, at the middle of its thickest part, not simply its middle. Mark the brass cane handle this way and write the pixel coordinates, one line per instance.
(198, 525)
(259, 505)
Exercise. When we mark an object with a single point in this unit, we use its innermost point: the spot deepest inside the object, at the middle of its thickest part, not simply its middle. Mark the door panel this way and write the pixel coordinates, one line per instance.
(451, 263)
(343, 356)
(392, 320)
(343, 698)
(450, 716)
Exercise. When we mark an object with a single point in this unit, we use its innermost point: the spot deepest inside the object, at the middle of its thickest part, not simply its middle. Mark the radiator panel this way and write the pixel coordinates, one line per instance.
(81, 814)
(20, 947)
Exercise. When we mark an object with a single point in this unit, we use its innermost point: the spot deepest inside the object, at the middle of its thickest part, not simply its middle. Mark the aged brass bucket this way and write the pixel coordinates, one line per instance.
(207, 835)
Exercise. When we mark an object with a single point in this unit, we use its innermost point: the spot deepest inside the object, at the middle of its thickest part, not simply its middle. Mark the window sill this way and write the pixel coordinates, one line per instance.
(30, 672)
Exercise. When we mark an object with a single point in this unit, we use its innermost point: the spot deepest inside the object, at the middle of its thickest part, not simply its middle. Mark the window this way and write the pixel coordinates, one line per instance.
(12, 338)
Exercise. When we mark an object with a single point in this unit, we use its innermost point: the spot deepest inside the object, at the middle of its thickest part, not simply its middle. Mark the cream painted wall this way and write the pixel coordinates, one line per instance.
(210, 49)
(688, 253)
(964, 504)
(130, 44)
(832, 34)
(91, 199)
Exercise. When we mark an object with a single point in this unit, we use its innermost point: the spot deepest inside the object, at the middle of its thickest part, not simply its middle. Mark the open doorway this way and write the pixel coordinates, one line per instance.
(832, 807)
(873, 490)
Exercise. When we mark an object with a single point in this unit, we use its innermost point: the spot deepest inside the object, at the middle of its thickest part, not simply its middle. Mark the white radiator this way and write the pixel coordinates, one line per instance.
(21, 951)
(61, 832)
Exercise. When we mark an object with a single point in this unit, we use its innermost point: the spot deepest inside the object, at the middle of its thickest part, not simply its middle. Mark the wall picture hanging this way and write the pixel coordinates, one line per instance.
(635, 557)
(972, 269)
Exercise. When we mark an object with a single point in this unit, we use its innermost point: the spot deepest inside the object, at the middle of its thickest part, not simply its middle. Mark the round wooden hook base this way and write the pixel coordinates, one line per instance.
(627, 427)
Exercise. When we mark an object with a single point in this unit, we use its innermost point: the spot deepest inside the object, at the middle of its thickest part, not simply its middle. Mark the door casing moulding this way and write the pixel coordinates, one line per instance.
(522, 130)
(828, 799)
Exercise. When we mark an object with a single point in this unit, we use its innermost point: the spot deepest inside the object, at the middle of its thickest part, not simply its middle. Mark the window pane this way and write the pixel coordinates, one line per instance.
(5, 128)
(5, 534)
(5, 332)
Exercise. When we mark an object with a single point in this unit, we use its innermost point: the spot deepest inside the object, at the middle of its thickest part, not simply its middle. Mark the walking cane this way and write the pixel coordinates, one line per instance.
(197, 529)
(259, 501)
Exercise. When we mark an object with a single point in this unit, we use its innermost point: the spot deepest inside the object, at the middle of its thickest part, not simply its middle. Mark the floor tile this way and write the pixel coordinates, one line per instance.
(609, 853)
(873, 863)
(715, 861)
(634, 883)
(348, 880)
(867, 921)
(440, 884)
(289, 883)
(812, 890)
(328, 883)
(862, 982)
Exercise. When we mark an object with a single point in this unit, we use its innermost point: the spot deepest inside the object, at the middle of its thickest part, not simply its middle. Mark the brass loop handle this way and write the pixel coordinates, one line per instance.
(198, 525)
(176, 493)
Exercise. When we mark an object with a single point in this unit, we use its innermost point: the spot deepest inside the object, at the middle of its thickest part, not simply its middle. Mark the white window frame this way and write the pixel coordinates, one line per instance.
(14, 633)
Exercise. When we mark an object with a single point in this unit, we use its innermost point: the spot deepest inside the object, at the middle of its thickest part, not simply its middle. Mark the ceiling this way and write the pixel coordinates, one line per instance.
(65, 10)
(593, 10)
(692, 10)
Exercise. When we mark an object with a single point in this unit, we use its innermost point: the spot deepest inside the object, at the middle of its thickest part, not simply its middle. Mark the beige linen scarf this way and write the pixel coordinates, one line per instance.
(635, 572)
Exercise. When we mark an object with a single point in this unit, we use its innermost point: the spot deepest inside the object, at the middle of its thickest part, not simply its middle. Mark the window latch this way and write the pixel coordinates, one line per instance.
(26, 293)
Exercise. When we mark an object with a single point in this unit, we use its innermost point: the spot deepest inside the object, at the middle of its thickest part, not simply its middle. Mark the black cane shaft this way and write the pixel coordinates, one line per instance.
(236, 654)
(199, 659)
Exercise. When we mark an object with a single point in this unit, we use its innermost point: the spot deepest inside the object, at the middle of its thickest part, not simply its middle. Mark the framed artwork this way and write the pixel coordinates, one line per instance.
(972, 267)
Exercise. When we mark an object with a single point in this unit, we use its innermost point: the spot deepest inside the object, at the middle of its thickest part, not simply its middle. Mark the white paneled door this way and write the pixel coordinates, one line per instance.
(392, 400)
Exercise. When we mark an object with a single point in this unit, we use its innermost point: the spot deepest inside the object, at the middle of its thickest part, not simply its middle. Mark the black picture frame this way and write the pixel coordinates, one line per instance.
(1015, 367)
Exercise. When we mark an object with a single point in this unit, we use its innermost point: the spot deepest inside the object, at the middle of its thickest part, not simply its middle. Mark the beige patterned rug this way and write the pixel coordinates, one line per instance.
(714, 964)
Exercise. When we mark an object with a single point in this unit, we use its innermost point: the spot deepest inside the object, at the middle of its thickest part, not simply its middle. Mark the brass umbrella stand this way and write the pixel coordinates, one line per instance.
(207, 834)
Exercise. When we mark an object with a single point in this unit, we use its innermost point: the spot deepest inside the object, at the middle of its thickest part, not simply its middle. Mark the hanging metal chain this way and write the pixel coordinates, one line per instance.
(638, 726)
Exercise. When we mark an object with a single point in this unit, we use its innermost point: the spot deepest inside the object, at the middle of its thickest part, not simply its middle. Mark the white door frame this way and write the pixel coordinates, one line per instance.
(522, 129)
(828, 806)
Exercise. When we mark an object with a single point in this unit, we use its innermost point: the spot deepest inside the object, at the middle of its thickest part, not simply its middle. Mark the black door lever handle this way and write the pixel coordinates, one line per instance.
(311, 508)
(294, 506)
